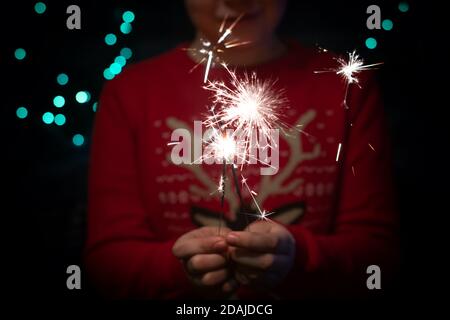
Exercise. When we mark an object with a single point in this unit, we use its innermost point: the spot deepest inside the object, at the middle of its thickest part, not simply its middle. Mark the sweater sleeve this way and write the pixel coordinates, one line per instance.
(123, 257)
(364, 228)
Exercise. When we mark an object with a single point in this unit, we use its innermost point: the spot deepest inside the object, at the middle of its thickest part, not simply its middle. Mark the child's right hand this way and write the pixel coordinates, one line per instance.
(205, 259)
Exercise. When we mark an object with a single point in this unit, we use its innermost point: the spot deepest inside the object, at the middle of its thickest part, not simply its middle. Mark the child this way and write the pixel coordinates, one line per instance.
(333, 215)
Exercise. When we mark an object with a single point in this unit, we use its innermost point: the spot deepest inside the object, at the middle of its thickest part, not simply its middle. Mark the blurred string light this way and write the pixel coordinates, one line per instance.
(115, 68)
(82, 96)
(22, 112)
(110, 39)
(371, 43)
(126, 28)
(20, 54)
(40, 7)
(126, 53)
(119, 63)
(128, 16)
(59, 101)
(121, 60)
(60, 119)
(62, 79)
(78, 140)
(48, 118)
(387, 24)
(403, 6)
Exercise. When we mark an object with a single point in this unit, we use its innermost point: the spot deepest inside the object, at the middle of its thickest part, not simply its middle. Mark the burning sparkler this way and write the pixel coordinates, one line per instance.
(349, 69)
(250, 107)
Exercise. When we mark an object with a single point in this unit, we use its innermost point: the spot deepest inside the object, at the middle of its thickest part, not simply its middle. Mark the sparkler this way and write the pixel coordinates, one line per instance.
(349, 69)
(251, 107)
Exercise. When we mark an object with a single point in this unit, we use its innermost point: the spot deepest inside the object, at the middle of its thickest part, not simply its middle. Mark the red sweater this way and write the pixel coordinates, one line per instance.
(341, 213)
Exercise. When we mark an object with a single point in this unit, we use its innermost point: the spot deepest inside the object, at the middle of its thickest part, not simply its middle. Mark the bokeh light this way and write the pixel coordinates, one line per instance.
(115, 68)
(62, 79)
(40, 7)
(22, 112)
(110, 39)
(20, 53)
(107, 74)
(128, 16)
(126, 53)
(82, 96)
(78, 140)
(95, 106)
(387, 24)
(403, 6)
(60, 119)
(125, 28)
(59, 101)
(121, 60)
(371, 43)
(48, 117)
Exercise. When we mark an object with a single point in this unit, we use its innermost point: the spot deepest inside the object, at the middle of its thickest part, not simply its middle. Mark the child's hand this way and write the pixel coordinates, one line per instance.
(204, 256)
(264, 255)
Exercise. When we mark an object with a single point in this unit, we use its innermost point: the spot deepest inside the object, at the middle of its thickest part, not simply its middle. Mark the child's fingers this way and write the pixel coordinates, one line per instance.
(260, 261)
(185, 248)
(261, 242)
(214, 277)
(230, 285)
(201, 263)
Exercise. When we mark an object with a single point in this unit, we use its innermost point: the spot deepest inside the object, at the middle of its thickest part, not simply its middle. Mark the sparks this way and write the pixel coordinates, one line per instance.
(261, 214)
(250, 107)
(209, 51)
(349, 69)
(338, 152)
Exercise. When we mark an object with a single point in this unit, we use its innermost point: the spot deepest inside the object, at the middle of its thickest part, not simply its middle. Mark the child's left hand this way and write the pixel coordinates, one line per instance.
(264, 255)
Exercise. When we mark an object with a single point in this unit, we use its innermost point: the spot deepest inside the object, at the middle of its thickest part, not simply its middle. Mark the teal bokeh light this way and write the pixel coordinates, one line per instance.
(40, 7)
(371, 43)
(20, 53)
(95, 106)
(48, 117)
(107, 74)
(110, 39)
(126, 53)
(22, 112)
(62, 79)
(82, 96)
(121, 60)
(125, 28)
(115, 68)
(59, 101)
(78, 140)
(387, 24)
(60, 119)
(403, 6)
(128, 16)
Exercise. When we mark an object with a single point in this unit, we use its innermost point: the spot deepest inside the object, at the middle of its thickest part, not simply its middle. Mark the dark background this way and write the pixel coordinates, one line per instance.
(46, 175)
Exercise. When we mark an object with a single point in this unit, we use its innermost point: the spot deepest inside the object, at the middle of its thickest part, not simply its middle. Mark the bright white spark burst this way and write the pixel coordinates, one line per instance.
(349, 69)
(249, 106)
(209, 51)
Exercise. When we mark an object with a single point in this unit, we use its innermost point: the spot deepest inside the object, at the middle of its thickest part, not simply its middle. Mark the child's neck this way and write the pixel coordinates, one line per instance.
(246, 55)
